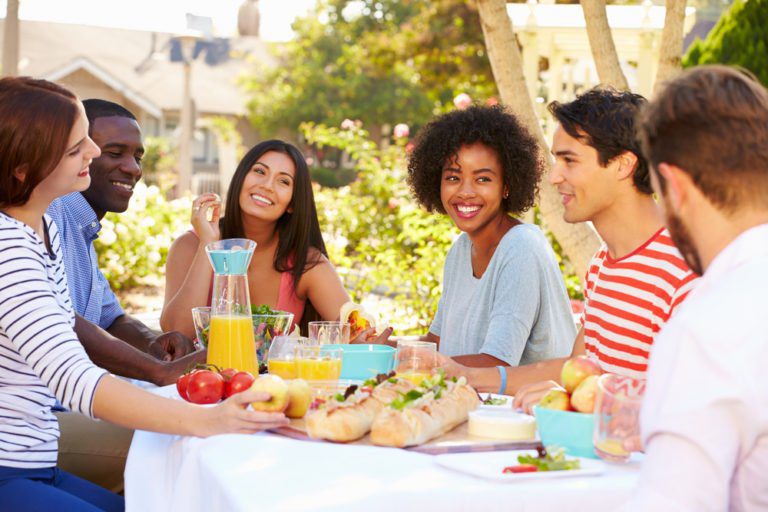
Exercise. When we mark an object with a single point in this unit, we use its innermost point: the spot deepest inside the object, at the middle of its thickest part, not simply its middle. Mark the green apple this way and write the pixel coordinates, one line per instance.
(556, 399)
(276, 388)
(583, 397)
(575, 370)
(300, 396)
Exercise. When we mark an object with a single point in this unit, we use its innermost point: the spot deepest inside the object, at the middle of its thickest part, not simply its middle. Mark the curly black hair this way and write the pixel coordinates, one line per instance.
(606, 119)
(495, 128)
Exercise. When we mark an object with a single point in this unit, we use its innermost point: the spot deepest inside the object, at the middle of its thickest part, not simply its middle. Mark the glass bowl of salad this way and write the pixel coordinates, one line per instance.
(268, 323)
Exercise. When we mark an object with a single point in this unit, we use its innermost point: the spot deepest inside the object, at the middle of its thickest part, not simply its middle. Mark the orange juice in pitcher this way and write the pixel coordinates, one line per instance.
(231, 343)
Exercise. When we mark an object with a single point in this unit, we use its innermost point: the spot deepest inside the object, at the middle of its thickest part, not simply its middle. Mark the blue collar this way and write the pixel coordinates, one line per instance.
(83, 215)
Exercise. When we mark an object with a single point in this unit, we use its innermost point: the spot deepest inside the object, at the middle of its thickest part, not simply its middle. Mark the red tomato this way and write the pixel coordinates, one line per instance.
(182, 383)
(228, 373)
(238, 383)
(205, 387)
(521, 468)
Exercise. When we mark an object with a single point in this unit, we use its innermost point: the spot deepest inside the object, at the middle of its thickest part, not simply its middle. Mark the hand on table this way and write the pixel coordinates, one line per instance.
(232, 416)
(451, 367)
(530, 394)
(171, 346)
(170, 371)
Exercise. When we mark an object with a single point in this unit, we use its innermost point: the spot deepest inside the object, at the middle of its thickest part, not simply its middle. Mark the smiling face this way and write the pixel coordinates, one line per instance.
(472, 187)
(587, 188)
(71, 174)
(117, 171)
(268, 187)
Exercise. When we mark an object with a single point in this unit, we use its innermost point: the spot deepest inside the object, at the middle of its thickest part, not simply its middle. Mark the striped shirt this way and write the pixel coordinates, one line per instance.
(628, 300)
(41, 359)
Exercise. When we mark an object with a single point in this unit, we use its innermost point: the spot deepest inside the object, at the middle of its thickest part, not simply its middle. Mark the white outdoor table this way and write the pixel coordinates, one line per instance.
(268, 472)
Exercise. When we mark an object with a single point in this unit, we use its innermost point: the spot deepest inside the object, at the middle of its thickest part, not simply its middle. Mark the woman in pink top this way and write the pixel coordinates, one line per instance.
(270, 201)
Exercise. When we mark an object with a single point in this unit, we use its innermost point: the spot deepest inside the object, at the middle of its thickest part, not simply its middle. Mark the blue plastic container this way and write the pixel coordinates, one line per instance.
(571, 430)
(360, 362)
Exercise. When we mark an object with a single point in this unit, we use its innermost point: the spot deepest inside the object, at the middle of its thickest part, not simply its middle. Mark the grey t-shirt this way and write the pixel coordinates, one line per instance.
(518, 311)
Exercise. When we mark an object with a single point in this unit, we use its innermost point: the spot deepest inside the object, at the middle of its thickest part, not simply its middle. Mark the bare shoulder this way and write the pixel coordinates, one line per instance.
(319, 271)
(184, 247)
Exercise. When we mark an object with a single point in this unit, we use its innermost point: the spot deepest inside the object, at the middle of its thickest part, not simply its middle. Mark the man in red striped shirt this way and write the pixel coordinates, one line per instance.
(638, 277)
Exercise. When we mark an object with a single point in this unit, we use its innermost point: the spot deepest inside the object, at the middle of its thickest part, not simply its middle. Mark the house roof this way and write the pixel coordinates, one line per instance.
(124, 59)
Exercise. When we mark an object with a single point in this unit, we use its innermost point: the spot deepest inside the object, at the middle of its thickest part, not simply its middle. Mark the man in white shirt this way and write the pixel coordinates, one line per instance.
(705, 414)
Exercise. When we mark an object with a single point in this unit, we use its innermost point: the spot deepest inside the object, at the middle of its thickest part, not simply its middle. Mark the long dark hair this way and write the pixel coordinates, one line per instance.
(298, 231)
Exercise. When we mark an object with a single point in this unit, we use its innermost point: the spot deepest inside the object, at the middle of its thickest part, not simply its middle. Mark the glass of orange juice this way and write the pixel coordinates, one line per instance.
(617, 415)
(281, 360)
(317, 362)
(416, 360)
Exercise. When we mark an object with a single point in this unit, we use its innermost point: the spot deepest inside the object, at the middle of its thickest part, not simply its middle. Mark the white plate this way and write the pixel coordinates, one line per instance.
(506, 405)
(490, 465)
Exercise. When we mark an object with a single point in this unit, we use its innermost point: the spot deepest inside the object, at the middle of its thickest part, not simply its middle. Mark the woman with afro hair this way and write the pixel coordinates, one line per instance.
(504, 301)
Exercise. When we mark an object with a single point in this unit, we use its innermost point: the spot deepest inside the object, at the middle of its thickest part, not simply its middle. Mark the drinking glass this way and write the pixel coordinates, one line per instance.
(416, 360)
(329, 333)
(281, 359)
(318, 362)
(202, 319)
(617, 415)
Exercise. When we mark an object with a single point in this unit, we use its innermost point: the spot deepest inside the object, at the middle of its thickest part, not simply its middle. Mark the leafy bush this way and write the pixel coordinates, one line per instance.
(739, 38)
(133, 246)
(377, 236)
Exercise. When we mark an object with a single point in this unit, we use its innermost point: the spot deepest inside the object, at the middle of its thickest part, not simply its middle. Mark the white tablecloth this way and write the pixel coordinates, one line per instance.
(267, 472)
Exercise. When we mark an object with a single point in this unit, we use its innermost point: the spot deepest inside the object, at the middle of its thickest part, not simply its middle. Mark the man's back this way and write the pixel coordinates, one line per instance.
(707, 388)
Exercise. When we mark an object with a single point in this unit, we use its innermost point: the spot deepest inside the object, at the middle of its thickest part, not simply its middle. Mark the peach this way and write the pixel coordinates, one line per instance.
(583, 397)
(556, 399)
(277, 389)
(575, 370)
(300, 395)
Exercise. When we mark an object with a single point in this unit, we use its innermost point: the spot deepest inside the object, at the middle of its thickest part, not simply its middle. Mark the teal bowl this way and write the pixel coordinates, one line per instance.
(571, 430)
(361, 362)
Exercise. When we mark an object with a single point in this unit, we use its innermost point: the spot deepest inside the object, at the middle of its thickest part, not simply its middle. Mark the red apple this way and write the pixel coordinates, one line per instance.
(583, 397)
(556, 399)
(575, 370)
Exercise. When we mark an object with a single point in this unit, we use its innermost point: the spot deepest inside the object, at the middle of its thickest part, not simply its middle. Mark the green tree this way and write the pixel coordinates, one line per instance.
(380, 61)
(739, 38)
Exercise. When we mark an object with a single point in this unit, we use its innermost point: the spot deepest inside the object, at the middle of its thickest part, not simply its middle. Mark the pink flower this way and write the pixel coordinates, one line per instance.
(310, 161)
(401, 131)
(409, 147)
(347, 124)
(393, 203)
(491, 101)
(462, 101)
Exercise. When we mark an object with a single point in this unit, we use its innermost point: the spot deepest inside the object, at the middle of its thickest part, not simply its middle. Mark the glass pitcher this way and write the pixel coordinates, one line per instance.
(230, 341)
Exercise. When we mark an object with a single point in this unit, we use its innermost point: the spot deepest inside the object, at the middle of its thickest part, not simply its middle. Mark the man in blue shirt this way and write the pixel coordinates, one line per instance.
(113, 340)
(78, 216)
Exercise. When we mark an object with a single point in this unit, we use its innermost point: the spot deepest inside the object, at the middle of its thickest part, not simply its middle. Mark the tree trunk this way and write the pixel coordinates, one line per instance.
(579, 241)
(602, 45)
(671, 48)
(11, 39)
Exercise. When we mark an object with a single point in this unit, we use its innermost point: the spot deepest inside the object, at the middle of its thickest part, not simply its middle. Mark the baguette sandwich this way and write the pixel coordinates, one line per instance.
(422, 414)
(348, 416)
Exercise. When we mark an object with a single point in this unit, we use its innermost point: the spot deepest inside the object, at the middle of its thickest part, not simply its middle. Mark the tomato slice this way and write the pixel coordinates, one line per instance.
(521, 468)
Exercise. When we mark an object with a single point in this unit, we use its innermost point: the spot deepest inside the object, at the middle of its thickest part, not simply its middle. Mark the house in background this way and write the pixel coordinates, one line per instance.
(141, 70)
